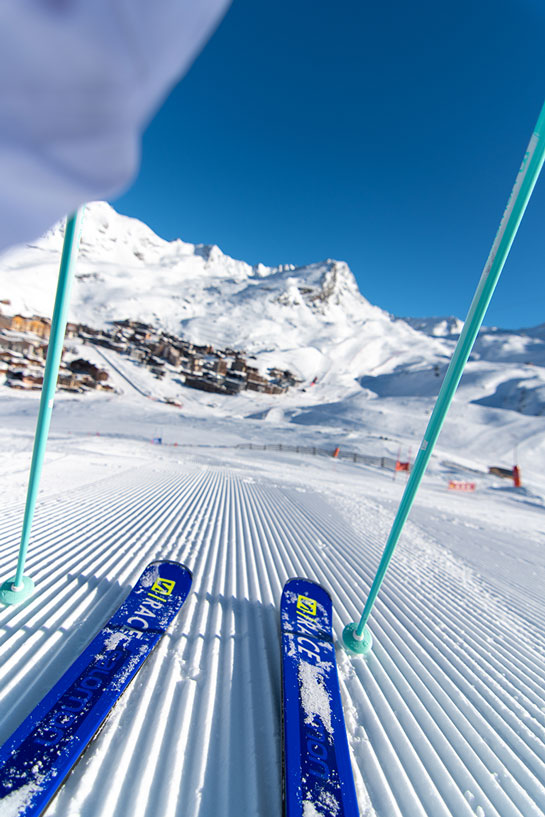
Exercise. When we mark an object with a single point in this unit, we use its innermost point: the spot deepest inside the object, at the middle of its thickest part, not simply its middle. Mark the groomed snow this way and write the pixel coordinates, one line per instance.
(447, 715)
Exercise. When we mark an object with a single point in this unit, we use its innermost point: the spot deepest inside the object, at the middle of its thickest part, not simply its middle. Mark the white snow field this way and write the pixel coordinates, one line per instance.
(446, 716)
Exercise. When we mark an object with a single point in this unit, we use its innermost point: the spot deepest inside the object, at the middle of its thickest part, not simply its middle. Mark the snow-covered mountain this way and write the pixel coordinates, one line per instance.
(311, 319)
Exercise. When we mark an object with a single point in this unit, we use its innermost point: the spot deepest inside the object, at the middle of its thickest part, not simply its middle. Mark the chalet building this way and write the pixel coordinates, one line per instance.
(87, 332)
(18, 384)
(135, 326)
(202, 383)
(167, 351)
(156, 361)
(239, 365)
(234, 385)
(10, 356)
(36, 361)
(281, 374)
(173, 355)
(84, 367)
(140, 355)
(18, 342)
(501, 472)
(219, 366)
(255, 385)
(108, 343)
(196, 365)
(68, 382)
(38, 326)
(255, 377)
(211, 384)
(24, 379)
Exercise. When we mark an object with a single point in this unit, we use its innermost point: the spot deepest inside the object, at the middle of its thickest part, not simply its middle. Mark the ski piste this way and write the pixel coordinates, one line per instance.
(35, 760)
(318, 779)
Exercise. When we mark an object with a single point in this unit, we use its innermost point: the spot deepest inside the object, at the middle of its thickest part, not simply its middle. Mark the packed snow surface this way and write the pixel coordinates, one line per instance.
(446, 716)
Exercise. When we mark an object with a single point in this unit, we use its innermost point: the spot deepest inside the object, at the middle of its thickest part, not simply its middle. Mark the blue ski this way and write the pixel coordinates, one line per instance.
(35, 760)
(318, 780)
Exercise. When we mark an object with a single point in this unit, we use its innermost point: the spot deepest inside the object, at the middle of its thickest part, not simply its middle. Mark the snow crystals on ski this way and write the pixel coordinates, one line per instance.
(318, 780)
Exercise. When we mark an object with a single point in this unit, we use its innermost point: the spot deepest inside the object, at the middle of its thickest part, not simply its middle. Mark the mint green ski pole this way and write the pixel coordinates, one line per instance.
(15, 590)
(357, 638)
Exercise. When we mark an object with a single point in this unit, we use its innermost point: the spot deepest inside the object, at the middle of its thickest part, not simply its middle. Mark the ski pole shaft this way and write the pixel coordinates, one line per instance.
(520, 195)
(54, 353)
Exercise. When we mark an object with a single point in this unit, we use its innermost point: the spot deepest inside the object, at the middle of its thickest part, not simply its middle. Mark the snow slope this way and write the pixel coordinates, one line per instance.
(446, 717)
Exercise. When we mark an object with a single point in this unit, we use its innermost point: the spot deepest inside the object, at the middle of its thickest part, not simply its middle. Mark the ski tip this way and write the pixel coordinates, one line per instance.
(305, 601)
(299, 581)
(10, 594)
(158, 562)
(355, 645)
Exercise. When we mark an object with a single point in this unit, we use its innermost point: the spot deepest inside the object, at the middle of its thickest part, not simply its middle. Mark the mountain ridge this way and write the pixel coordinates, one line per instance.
(311, 319)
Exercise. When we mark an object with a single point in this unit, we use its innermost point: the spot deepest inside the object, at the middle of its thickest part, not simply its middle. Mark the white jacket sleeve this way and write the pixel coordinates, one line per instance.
(79, 81)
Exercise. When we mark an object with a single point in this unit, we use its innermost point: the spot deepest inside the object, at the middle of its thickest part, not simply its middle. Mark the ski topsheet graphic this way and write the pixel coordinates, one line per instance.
(35, 760)
(318, 778)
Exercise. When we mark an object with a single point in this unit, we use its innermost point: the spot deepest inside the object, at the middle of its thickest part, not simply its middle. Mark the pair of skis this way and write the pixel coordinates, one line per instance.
(318, 781)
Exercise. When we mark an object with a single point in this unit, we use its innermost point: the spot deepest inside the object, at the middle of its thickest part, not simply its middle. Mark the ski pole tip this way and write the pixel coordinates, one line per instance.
(359, 645)
(11, 593)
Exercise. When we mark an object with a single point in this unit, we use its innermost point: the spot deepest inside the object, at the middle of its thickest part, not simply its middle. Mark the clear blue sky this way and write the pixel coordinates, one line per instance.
(388, 135)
